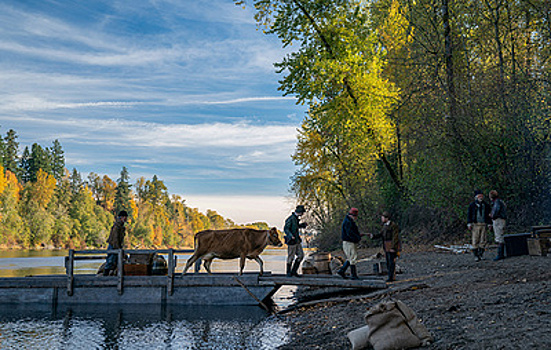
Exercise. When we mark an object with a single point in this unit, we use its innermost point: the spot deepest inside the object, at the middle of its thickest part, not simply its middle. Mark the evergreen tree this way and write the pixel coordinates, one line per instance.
(25, 166)
(58, 160)
(76, 182)
(2, 151)
(123, 193)
(10, 152)
(40, 159)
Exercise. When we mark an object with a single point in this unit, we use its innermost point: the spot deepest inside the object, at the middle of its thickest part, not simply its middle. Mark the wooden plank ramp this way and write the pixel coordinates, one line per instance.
(324, 281)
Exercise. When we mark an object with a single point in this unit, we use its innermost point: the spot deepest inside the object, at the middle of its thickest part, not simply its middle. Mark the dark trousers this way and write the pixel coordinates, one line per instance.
(111, 262)
(391, 264)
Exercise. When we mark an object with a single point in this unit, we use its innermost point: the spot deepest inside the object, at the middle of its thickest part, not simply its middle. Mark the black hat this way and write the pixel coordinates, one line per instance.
(477, 192)
(300, 209)
(123, 213)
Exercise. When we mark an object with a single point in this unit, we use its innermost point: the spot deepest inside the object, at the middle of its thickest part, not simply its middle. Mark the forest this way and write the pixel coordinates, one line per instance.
(414, 104)
(43, 205)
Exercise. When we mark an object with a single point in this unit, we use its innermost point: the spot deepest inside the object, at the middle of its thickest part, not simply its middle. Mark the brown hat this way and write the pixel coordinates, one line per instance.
(386, 214)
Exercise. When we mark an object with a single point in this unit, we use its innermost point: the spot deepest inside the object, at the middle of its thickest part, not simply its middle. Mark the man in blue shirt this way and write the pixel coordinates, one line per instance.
(351, 236)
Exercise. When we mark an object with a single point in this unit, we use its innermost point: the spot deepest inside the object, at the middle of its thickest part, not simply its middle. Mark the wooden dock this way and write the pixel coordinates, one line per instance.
(171, 289)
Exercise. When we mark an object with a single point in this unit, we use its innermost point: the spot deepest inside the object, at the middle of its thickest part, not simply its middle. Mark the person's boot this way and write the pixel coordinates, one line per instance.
(354, 273)
(500, 252)
(481, 253)
(342, 271)
(476, 254)
(294, 269)
(289, 270)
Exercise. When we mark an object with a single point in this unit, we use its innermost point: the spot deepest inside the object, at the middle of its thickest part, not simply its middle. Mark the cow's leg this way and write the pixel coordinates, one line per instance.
(242, 258)
(190, 262)
(206, 264)
(260, 263)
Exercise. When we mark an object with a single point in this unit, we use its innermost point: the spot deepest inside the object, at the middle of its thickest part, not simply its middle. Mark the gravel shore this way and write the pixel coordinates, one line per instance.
(465, 304)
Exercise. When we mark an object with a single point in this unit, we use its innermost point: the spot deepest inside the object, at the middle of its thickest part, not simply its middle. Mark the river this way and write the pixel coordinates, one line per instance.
(137, 326)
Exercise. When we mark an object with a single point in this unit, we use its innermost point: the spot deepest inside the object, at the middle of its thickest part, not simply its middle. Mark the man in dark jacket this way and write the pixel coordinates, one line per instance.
(351, 236)
(390, 234)
(293, 240)
(478, 220)
(115, 241)
(498, 214)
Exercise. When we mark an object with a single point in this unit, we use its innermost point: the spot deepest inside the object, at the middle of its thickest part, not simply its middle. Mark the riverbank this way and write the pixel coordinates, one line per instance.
(464, 304)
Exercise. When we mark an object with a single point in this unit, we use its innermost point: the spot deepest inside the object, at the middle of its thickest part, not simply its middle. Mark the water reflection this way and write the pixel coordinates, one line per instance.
(139, 327)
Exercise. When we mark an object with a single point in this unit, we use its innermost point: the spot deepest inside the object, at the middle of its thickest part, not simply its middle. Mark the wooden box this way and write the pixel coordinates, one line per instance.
(136, 270)
(140, 258)
(309, 270)
(538, 246)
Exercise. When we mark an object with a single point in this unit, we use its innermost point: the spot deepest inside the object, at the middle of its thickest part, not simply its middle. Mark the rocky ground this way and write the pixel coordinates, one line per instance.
(465, 304)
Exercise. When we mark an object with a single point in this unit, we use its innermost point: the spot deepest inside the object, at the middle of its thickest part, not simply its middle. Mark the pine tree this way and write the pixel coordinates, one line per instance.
(58, 160)
(76, 182)
(123, 194)
(25, 166)
(40, 159)
(10, 152)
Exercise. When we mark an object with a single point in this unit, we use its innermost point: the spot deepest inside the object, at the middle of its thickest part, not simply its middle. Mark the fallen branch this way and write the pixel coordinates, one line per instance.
(372, 295)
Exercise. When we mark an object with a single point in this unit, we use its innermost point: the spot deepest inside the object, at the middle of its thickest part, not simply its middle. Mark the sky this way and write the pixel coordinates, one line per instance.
(185, 90)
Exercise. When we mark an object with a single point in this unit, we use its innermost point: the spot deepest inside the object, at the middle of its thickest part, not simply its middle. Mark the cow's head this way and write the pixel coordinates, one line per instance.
(273, 237)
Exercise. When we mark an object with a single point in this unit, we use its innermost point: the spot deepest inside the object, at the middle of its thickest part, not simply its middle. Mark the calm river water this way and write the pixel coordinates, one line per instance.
(136, 327)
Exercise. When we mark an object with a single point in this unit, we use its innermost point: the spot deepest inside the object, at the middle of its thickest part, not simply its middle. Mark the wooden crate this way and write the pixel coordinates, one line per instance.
(309, 270)
(136, 270)
(538, 246)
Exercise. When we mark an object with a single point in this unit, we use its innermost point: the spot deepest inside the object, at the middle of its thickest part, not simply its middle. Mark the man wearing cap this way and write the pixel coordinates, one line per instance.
(115, 241)
(478, 219)
(293, 241)
(390, 233)
(351, 236)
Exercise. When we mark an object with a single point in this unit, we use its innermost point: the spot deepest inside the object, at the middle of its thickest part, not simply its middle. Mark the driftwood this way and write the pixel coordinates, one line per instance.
(372, 295)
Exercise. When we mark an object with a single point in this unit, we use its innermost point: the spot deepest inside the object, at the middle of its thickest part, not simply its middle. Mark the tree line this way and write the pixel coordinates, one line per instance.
(413, 105)
(42, 204)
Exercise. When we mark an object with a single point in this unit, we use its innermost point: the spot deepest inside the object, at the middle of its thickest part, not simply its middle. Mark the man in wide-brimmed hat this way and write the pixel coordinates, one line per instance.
(390, 234)
(295, 254)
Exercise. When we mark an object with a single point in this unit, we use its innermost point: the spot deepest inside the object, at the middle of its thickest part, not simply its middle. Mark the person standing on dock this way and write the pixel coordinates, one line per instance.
(478, 219)
(351, 236)
(390, 234)
(115, 241)
(295, 254)
(499, 216)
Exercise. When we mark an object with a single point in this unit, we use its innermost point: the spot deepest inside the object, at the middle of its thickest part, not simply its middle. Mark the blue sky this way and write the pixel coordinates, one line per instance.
(185, 90)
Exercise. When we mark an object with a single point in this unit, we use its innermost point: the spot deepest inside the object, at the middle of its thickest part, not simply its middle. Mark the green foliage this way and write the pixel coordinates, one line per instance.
(42, 209)
(412, 105)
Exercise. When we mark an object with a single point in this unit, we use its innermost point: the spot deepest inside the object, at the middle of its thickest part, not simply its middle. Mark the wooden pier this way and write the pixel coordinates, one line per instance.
(172, 289)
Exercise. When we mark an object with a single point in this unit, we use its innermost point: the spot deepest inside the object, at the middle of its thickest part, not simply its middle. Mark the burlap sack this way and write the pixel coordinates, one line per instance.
(359, 338)
(393, 325)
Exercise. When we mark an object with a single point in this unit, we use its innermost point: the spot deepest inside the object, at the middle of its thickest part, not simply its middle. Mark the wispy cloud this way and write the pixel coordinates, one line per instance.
(185, 90)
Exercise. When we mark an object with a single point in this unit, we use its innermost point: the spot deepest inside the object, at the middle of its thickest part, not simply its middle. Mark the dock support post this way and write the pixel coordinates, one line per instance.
(70, 276)
(251, 294)
(171, 271)
(120, 270)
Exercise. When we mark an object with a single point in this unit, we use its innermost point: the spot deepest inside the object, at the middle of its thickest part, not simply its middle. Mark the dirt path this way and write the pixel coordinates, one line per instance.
(465, 304)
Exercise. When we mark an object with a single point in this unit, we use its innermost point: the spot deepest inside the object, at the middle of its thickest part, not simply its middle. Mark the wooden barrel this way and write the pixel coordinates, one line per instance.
(322, 261)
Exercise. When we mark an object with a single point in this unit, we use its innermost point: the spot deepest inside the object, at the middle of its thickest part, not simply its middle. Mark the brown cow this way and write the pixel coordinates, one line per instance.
(231, 244)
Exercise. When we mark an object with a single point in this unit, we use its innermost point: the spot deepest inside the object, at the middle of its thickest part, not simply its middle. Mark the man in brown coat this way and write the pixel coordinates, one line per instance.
(390, 233)
(115, 241)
